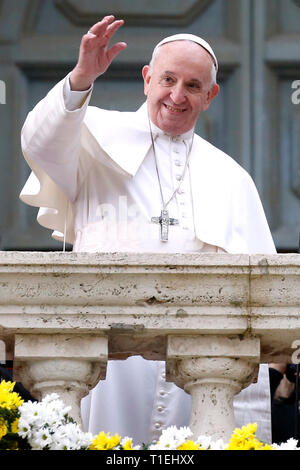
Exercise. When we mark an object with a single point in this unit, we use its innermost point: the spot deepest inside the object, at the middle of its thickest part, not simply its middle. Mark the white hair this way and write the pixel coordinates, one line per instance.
(156, 53)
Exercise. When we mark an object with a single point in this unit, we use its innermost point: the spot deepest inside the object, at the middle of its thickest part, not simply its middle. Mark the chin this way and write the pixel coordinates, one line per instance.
(175, 128)
(170, 127)
(172, 130)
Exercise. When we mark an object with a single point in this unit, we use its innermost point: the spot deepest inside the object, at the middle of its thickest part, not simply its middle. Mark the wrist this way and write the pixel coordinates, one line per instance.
(79, 82)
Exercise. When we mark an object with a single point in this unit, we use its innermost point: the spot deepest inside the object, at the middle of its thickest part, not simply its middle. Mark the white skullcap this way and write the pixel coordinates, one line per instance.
(189, 37)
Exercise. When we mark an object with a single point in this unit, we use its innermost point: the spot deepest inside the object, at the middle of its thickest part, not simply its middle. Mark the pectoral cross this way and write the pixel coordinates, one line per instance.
(164, 220)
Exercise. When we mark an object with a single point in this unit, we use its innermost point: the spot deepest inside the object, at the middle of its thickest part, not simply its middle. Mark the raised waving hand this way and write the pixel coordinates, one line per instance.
(95, 54)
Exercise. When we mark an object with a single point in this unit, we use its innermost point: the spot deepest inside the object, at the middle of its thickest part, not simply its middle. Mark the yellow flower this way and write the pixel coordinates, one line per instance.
(267, 447)
(7, 386)
(127, 445)
(3, 428)
(245, 439)
(105, 442)
(15, 426)
(189, 445)
(9, 399)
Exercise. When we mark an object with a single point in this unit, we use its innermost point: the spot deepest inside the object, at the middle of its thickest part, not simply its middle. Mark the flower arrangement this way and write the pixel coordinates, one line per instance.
(46, 425)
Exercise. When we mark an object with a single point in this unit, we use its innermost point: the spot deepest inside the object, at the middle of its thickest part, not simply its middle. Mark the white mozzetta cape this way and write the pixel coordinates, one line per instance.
(227, 209)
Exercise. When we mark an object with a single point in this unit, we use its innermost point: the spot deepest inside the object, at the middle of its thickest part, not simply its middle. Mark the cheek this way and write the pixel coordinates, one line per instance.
(146, 89)
(205, 102)
(197, 105)
(155, 96)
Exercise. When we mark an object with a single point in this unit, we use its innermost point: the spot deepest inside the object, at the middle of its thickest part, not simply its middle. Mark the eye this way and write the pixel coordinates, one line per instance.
(167, 80)
(194, 87)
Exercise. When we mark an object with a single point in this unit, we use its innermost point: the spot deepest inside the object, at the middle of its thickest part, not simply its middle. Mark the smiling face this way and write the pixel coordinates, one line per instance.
(179, 87)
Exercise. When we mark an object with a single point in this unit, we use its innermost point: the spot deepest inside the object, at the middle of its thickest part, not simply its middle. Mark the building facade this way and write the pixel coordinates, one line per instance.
(255, 119)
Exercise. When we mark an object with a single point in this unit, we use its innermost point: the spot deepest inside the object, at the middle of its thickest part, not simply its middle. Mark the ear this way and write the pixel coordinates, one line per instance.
(213, 92)
(146, 77)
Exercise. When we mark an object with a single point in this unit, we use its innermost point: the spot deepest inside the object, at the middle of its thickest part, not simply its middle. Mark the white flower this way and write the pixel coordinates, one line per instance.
(50, 397)
(171, 438)
(218, 445)
(157, 447)
(125, 440)
(41, 439)
(24, 428)
(205, 441)
(50, 410)
(291, 444)
(40, 423)
(208, 444)
(70, 437)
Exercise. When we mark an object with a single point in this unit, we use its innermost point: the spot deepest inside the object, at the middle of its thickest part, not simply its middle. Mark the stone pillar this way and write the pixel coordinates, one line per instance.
(66, 364)
(213, 369)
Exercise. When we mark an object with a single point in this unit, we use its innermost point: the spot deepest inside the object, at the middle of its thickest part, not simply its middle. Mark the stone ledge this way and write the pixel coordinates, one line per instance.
(152, 295)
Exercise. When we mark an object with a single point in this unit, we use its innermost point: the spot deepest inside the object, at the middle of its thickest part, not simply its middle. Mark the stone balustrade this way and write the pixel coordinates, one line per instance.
(212, 317)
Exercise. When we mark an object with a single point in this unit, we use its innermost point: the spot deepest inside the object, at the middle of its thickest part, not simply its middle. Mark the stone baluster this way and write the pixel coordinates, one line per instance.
(195, 310)
(66, 364)
(213, 369)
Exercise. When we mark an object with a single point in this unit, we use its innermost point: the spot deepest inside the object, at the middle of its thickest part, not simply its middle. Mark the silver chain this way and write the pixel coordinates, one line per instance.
(157, 172)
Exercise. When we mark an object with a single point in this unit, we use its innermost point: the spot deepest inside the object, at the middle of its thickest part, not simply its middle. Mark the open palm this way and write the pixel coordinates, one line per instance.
(95, 56)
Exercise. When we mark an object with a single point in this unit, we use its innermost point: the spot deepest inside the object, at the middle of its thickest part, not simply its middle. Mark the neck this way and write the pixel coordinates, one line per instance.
(157, 130)
(184, 135)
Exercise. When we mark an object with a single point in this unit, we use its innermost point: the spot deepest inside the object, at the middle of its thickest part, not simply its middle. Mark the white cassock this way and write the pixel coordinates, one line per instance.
(94, 179)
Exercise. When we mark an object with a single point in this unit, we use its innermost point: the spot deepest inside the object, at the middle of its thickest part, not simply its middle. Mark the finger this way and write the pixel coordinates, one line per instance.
(113, 28)
(90, 35)
(115, 50)
(100, 27)
(105, 36)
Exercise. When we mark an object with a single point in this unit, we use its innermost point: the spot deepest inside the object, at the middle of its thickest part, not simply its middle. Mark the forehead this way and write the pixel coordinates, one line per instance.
(183, 56)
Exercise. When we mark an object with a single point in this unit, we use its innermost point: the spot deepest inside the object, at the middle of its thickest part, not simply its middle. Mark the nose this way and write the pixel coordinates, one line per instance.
(178, 94)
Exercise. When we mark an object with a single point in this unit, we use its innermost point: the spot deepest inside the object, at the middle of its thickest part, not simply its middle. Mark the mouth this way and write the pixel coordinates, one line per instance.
(172, 109)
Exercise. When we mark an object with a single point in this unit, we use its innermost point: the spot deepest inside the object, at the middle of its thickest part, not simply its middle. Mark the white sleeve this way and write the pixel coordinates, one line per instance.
(51, 140)
(74, 99)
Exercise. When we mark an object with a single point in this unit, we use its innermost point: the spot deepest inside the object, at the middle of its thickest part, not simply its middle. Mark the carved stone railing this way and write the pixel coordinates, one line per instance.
(213, 318)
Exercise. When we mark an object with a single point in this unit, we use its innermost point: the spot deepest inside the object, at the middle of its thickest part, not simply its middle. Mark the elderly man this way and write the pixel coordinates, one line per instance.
(109, 181)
